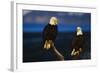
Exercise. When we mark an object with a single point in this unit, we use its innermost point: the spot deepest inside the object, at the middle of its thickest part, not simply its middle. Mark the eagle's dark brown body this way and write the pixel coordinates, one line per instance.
(49, 37)
(77, 46)
(50, 32)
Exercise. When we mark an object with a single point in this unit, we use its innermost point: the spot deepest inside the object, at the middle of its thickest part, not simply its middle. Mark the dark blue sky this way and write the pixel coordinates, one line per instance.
(35, 21)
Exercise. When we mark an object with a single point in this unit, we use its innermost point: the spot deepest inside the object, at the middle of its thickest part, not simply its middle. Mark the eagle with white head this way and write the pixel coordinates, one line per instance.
(77, 44)
(49, 36)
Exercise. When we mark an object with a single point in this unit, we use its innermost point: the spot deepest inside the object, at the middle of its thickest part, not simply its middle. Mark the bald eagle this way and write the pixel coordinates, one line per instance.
(49, 36)
(77, 44)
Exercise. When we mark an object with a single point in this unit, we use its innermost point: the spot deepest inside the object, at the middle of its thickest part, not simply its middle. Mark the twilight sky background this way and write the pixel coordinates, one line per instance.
(35, 21)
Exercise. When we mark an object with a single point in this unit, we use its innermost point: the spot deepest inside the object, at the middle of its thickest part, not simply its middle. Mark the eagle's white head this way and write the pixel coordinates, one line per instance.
(53, 21)
(79, 31)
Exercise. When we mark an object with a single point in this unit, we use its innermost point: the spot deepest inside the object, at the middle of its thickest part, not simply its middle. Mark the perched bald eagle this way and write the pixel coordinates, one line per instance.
(49, 36)
(77, 44)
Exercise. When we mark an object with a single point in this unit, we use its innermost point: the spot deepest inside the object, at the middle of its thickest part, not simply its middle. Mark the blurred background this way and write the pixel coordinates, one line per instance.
(34, 23)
